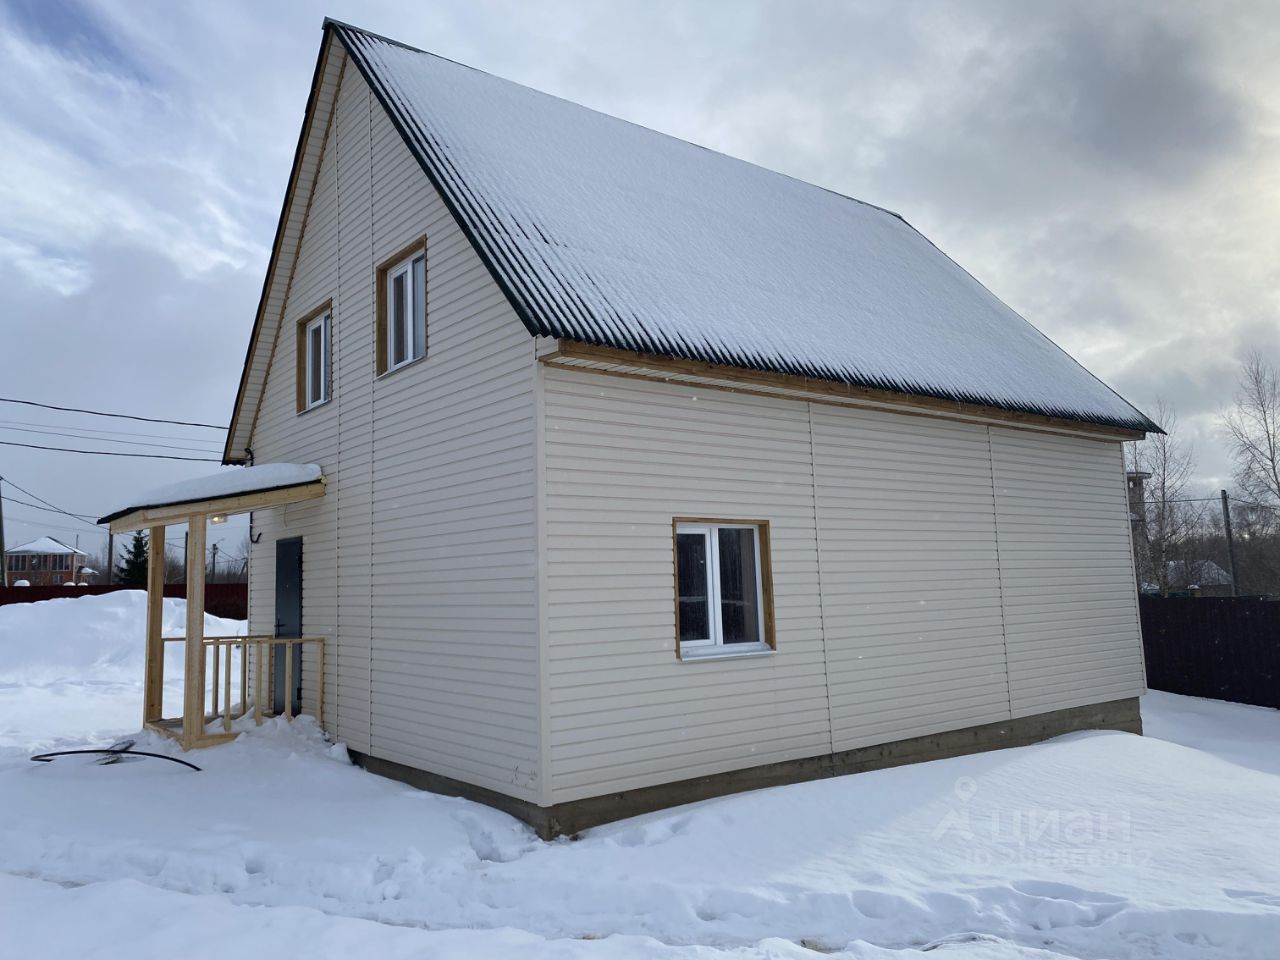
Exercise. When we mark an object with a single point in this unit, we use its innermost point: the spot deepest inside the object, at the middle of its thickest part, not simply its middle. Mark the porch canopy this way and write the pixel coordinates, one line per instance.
(195, 502)
(219, 494)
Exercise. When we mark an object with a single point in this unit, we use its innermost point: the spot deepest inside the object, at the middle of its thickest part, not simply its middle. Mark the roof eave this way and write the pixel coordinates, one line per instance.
(1115, 428)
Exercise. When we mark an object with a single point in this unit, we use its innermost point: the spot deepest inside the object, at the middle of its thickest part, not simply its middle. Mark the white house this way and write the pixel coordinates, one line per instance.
(643, 474)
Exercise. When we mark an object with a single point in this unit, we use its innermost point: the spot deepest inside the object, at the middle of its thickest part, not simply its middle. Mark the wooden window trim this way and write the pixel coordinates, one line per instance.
(381, 351)
(300, 340)
(765, 543)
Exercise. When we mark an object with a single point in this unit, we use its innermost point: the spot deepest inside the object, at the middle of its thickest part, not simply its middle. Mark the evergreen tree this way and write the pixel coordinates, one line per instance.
(132, 569)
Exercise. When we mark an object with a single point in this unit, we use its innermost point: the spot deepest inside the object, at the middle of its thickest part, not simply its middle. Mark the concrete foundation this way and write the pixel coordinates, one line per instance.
(576, 815)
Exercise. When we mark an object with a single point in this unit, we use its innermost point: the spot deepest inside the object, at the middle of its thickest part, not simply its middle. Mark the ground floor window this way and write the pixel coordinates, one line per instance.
(723, 588)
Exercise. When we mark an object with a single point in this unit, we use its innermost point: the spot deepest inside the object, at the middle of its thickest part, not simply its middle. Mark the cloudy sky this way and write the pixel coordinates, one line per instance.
(1108, 169)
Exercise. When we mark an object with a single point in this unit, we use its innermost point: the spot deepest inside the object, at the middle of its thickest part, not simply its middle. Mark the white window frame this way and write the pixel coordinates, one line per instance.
(714, 645)
(322, 321)
(415, 317)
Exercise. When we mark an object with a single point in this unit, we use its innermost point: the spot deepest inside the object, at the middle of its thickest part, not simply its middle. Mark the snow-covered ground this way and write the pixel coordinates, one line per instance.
(1093, 845)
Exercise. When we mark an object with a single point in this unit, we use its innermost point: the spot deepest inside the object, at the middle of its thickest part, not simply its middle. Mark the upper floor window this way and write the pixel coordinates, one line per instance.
(723, 589)
(402, 308)
(314, 357)
(60, 562)
(17, 562)
(318, 360)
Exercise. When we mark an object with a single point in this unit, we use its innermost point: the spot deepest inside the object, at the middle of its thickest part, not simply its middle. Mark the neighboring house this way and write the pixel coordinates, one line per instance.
(650, 474)
(44, 562)
(1203, 578)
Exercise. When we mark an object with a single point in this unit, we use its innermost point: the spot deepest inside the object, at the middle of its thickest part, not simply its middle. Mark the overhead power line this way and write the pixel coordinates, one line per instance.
(41, 524)
(122, 416)
(36, 506)
(1235, 500)
(53, 506)
(98, 430)
(131, 443)
(1256, 506)
(109, 453)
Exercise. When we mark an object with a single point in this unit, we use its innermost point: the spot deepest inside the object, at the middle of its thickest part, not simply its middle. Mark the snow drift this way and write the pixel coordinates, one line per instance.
(71, 669)
(101, 638)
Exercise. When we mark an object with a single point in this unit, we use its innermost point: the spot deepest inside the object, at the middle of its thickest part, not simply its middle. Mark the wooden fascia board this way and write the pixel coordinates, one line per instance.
(233, 449)
(240, 503)
(652, 366)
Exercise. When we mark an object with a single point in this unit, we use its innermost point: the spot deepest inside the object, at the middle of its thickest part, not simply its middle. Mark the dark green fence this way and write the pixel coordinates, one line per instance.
(1225, 648)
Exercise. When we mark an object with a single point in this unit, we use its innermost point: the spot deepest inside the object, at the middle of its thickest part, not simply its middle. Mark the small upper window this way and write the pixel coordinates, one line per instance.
(315, 357)
(61, 562)
(722, 587)
(402, 309)
(317, 334)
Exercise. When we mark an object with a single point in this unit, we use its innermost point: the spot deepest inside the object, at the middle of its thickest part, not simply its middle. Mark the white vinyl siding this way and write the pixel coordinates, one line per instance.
(1071, 605)
(418, 561)
(910, 582)
(622, 459)
(910, 525)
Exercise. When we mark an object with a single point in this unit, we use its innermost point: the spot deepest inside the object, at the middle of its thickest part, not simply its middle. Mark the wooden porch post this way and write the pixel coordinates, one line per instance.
(193, 676)
(153, 678)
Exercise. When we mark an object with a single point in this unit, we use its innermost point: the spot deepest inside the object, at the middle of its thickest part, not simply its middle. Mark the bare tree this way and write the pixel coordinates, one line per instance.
(1170, 519)
(1253, 427)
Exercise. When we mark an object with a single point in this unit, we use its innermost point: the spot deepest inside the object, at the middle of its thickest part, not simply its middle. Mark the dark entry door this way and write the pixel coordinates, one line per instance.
(288, 621)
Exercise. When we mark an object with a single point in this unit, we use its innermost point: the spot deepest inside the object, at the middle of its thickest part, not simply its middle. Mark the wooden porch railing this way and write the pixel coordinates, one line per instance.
(218, 662)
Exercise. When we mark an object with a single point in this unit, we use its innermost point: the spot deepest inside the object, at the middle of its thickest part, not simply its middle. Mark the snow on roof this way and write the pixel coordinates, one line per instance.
(226, 483)
(46, 545)
(608, 233)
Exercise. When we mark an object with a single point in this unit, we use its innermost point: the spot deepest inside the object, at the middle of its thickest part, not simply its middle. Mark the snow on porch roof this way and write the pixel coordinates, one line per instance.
(242, 482)
(607, 233)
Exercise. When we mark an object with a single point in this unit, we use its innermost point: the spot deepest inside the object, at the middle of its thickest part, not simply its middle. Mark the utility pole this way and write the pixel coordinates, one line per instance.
(1231, 543)
(111, 557)
(213, 574)
(4, 560)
